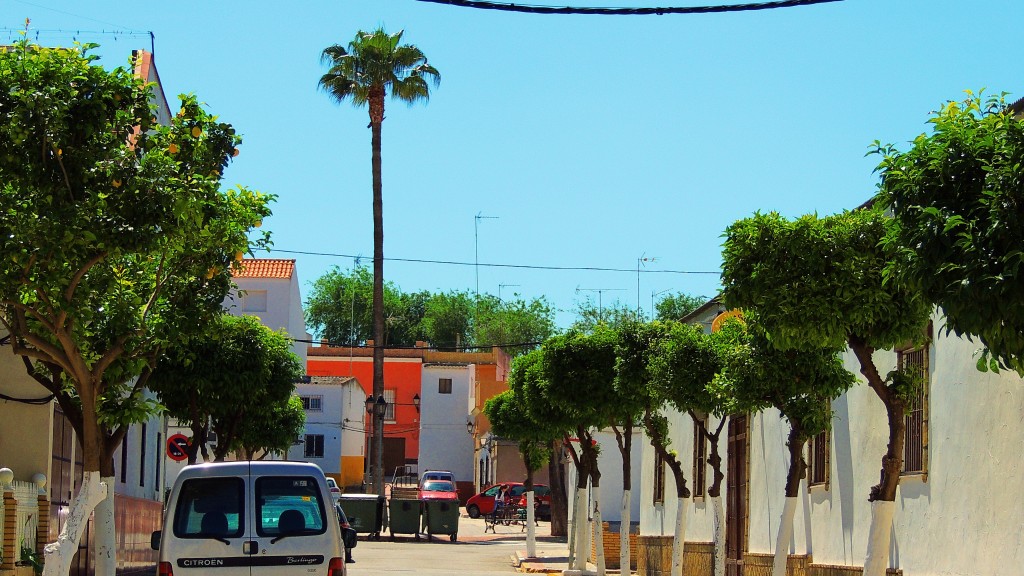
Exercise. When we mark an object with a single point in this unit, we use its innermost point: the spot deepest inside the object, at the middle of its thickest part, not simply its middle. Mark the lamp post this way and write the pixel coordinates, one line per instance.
(369, 437)
(653, 296)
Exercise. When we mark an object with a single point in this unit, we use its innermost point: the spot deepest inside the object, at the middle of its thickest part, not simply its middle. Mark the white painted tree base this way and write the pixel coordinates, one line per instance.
(58, 555)
(719, 519)
(580, 526)
(597, 535)
(531, 527)
(624, 527)
(683, 504)
(105, 535)
(785, 536)
(877, 559)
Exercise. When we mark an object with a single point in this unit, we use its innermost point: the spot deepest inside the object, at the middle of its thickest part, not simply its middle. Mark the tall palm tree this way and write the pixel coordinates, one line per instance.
(373, 64)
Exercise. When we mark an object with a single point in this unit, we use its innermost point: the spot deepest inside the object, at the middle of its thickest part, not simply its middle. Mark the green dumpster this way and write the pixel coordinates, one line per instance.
(441, 517)
(365, 513)
(404, 516)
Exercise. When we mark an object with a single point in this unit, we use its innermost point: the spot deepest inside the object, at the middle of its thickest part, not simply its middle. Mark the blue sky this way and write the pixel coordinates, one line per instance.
(594, 140)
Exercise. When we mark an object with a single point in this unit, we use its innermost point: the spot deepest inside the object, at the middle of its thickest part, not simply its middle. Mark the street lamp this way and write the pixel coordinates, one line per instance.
(416, 401)
(653, 296)
(470, 426)
(380, 407)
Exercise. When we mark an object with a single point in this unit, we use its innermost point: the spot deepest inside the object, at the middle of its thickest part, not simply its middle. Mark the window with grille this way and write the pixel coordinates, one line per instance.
(312, 403)
(314, 446)
(700, 460)
(444, 385)
(659, 479)
(818, 454)
(915, 444)
(389, 397)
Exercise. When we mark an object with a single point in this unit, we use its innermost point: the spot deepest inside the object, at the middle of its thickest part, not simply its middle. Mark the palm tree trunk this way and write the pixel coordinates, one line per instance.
(376, 120)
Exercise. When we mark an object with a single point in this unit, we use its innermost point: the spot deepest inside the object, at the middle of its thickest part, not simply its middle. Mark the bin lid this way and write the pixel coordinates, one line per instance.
(373, 497)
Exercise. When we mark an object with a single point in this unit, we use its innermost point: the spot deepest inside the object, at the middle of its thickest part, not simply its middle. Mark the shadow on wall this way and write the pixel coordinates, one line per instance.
(844, 484)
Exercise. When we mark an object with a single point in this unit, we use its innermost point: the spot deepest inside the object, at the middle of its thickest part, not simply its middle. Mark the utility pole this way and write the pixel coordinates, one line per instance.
(600, 303)
(476, 246)
(641, 260)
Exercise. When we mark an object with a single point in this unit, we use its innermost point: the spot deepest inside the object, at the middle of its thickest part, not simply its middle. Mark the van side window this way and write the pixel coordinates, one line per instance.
(210, 508)
(289, 505)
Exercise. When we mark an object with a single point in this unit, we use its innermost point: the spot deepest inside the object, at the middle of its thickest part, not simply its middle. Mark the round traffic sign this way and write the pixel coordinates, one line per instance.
(177, 447)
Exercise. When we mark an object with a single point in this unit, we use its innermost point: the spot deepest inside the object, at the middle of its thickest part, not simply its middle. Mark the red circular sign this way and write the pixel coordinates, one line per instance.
(177, 447)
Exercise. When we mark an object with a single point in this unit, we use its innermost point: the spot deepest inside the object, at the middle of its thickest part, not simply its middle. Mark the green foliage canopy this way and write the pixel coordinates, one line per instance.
(957, 234)
(813, 282)
(239, 375)
(676, 306)
(116, 236)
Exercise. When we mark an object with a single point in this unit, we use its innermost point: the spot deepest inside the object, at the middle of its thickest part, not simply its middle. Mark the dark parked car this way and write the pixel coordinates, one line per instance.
(348, 533)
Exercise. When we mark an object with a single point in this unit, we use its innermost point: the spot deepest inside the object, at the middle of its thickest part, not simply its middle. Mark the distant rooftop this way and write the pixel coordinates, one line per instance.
(265, 268)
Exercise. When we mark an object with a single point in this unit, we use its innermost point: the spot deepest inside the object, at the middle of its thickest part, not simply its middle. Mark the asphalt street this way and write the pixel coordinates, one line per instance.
(475, 552)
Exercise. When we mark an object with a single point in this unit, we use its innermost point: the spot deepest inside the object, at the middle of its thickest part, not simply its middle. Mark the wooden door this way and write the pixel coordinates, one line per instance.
(394, 454)
(736, 496)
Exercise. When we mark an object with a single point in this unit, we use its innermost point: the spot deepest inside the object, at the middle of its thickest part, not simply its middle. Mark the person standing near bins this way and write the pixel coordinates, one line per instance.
(501, 500)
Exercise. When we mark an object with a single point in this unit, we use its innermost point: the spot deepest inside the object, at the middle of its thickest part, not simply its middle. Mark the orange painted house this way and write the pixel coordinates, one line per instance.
(402, 375)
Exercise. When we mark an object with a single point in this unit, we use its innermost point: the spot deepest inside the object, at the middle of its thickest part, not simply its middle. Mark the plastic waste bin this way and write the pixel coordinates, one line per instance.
(441, 517)
(404, 516)
(365, 513)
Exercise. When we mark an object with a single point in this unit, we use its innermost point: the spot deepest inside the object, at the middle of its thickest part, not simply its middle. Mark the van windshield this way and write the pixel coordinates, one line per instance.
(289, 505)
(210, 508)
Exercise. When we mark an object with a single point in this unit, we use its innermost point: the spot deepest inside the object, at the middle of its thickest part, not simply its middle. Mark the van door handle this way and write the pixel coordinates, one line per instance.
(250, 547)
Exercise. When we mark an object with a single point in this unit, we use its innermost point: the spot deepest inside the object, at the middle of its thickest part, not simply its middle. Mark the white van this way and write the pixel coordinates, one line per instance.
(249, 519)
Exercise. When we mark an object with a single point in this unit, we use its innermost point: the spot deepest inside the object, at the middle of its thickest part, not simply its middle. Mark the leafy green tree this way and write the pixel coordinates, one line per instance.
(271, 428)
(340, 309)
(510, 418)
(579, 370)
(589, 316)
(448, 318)
(801, 385)
(528, 382)
(819, 283)
(117, 241)
(235, 376)
(957, 227)
(678, 305)
(634, 404)
(372, 65)
(513, 321)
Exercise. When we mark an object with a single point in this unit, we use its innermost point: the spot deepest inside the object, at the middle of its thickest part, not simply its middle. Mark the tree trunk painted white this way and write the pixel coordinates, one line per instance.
(105, 539)
(624, 526)
(572, 528)
(877, 559)
(58, 555)
(682, 505)
(531, 527)
(785, 536)
(581, 528)
(716, 504)
(598, 534)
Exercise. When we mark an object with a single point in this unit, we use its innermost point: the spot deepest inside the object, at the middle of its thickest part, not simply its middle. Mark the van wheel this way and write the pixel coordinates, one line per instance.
(417, 535)
(473, 511)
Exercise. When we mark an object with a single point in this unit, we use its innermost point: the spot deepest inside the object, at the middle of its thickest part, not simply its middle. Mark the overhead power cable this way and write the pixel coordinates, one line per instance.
(492, 265)
(593, 10)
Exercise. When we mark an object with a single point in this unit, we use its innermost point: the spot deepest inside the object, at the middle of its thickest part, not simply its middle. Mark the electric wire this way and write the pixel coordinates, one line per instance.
(659, 11)
(496, 265)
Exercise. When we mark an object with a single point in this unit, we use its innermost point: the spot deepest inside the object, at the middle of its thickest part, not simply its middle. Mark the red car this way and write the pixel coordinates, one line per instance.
(483, 503)
(438, 490)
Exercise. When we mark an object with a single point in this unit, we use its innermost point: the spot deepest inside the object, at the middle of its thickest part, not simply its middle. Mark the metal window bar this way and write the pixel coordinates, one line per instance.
(659, 479)
(700, 461)
(913, 445)
(818, 457)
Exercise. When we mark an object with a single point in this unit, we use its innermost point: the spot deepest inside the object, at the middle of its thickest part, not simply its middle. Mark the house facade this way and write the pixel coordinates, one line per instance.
(268, 288)
(957, 509)
(445, 443)
(334, 422)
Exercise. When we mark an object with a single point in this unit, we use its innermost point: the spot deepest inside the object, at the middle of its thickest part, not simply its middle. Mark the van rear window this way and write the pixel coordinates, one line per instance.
(210, 508)
(289, 505)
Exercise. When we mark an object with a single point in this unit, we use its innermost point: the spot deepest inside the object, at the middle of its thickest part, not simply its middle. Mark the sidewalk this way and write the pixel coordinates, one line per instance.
(546, 562)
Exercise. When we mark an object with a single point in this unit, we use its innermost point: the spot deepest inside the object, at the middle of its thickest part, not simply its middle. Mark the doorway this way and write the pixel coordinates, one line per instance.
(736, 495)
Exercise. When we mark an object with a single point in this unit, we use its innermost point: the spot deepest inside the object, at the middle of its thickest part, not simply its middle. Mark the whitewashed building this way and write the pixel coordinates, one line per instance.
(334, 422)
(269, 289)
(958, 509)
(445, 403)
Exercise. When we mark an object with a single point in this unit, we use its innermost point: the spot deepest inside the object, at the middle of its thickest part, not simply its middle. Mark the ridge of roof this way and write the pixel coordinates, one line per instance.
(264, 268)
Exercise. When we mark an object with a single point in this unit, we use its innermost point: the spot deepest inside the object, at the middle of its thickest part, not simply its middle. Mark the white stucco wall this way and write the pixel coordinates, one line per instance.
(144, 469)
(283, 309)
(444, 442)
(25, 454)
(609, 462)
(327, 421)
(966, 518)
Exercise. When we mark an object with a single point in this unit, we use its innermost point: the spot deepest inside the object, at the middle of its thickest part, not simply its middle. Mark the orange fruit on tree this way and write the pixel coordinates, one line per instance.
(196, 132)
(173, 148)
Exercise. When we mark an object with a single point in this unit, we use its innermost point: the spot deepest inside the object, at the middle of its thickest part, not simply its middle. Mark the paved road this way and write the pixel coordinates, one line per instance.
(474, 553)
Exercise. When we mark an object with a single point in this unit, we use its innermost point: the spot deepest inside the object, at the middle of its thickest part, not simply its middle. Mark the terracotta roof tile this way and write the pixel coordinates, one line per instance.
(265, 268)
